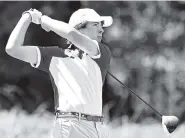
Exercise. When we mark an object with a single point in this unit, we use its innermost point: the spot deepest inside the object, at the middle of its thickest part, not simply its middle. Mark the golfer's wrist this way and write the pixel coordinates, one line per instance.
(26, 17)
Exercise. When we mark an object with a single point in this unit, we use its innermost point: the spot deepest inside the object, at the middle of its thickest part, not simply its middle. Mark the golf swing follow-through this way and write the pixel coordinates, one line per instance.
(77, 73)
(77, 78)
(169, 123)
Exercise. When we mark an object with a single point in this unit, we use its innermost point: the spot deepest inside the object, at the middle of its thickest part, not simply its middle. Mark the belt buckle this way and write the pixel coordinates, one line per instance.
(93, 118)
(90, 118)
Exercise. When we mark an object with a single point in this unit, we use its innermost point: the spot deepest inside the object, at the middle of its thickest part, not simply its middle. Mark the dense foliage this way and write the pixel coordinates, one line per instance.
(147, 44)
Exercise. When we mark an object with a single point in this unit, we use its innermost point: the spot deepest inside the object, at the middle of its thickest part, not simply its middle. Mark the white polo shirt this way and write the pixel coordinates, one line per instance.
(77, 82)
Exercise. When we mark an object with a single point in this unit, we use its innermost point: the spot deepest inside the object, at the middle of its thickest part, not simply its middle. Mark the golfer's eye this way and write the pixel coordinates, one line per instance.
(95, 24)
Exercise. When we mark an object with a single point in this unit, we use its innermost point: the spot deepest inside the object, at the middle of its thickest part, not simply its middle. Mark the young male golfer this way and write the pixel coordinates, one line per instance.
(77, 75)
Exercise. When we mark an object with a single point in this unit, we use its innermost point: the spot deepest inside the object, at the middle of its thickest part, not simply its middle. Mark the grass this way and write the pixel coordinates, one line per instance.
(18, 124)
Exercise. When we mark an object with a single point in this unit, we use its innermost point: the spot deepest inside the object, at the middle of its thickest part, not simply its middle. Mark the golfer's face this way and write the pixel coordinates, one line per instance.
(94, 30)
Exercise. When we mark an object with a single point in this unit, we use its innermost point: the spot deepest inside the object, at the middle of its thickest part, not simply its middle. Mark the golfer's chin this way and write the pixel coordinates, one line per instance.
(99, 39)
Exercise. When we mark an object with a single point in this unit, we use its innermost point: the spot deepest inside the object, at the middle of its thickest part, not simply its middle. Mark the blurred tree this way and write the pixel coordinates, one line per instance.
(147, 44)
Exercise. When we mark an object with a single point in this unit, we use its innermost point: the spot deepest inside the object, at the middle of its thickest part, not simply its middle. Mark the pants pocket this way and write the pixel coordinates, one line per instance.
(62, 128)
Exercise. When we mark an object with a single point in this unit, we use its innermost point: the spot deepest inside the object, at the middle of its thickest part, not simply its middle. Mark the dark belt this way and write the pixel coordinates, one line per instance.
(60, 114)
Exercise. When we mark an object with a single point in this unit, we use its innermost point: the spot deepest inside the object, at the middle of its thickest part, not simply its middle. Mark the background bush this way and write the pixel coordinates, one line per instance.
(147, 44)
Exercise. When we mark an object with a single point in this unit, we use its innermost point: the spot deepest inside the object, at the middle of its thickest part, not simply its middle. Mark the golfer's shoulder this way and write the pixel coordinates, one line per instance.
(106, 48)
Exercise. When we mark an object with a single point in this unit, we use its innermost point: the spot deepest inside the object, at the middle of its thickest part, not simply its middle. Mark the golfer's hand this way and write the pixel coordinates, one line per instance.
(35, 15)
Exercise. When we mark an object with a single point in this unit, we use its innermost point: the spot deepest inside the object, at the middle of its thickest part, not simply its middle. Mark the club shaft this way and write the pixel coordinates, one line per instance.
(135, 94)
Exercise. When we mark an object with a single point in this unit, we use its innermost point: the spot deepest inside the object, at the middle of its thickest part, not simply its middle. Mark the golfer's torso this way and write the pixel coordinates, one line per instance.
(79, 84)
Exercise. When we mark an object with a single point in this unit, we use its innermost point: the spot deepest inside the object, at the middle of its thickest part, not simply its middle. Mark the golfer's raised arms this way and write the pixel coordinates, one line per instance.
(66, 31)
(15, 42)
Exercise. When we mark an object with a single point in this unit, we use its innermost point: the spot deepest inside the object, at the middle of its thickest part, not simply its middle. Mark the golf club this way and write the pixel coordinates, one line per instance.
(169, 123)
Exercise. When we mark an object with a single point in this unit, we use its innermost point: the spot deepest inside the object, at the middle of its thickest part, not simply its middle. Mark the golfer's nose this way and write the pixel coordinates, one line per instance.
(101, 30)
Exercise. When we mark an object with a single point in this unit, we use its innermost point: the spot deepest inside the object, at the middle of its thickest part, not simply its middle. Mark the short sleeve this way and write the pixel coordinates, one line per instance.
(45, 55)
(38, 58)
(99, 53)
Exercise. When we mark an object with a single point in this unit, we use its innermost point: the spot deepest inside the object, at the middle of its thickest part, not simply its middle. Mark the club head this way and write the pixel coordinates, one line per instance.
(169, 123)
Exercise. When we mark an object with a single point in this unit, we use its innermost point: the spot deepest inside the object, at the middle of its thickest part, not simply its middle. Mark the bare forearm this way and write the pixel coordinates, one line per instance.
(66, 31)
(16, 38)
(59, 27)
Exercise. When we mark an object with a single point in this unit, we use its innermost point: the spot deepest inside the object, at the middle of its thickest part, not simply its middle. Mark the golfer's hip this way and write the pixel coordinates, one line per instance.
(79, 116)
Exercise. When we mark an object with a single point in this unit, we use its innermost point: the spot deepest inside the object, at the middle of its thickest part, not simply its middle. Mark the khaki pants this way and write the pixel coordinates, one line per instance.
(74, 128)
